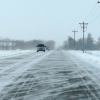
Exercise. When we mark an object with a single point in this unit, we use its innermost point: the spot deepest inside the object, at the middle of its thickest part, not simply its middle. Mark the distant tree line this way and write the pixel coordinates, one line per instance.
(8, 44)
(89, 43)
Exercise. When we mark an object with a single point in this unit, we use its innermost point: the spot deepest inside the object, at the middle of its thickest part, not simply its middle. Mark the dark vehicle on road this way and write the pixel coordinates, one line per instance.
(40, 47)
(47, 48)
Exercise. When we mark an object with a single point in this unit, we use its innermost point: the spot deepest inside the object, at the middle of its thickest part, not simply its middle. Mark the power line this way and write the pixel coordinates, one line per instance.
(87, 17)
(93, 13)
(94, 19)
(90, 11)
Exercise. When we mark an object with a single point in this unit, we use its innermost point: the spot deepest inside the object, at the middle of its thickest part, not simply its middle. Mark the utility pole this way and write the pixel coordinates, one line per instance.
(74, 38)
(68, 43)
(83, 33)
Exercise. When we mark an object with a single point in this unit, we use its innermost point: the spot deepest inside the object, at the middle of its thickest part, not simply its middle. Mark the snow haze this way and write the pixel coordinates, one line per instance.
(47, 19)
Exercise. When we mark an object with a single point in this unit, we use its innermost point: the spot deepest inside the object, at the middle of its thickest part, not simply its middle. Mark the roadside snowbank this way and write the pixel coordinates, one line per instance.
(90, 56)
(10, 53)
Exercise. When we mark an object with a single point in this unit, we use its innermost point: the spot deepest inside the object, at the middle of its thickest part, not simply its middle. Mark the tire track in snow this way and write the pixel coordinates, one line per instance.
(9, 78)
(7, 68)
(90, 75)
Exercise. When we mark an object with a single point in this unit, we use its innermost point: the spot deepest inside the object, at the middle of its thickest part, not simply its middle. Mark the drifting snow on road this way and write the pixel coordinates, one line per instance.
(54, 75)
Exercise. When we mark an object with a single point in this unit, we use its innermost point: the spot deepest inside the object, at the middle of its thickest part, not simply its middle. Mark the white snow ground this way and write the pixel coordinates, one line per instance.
(11, 53)
(25, 59)
(50, 75)
(92, 57)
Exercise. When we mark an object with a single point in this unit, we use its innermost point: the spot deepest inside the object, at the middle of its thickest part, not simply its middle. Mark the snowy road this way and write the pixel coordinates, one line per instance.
(54, 75)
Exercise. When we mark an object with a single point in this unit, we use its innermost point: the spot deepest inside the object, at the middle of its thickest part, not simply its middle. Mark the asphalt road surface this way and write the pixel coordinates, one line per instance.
(52, 75)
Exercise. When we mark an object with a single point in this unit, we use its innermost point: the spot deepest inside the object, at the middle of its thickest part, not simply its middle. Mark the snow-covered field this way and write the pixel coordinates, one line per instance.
(92, 57)
(11, 53)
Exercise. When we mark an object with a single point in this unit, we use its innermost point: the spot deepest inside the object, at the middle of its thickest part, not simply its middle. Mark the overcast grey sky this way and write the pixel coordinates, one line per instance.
(48, 19)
